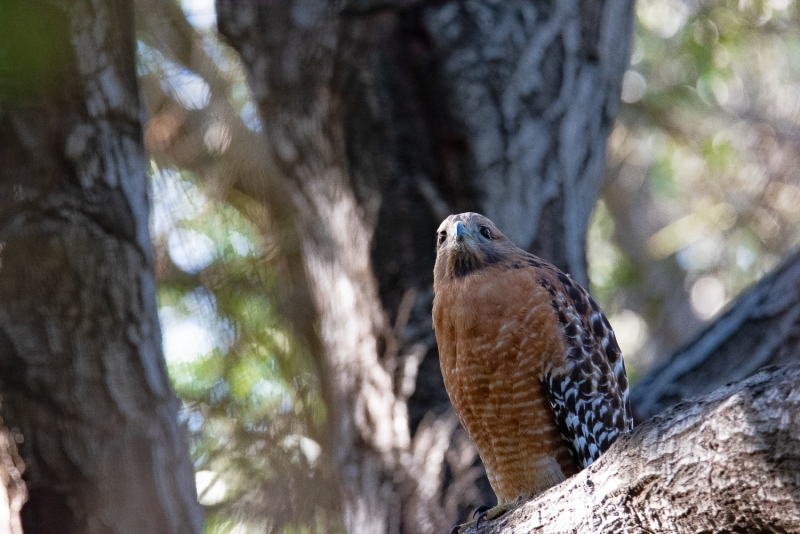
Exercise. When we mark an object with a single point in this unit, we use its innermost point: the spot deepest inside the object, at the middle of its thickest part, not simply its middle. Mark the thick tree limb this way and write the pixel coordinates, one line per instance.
(761, 328)
(728, 462)
(84, 386)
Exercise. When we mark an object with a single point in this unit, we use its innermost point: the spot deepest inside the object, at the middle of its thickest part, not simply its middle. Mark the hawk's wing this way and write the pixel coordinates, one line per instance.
(589, 392)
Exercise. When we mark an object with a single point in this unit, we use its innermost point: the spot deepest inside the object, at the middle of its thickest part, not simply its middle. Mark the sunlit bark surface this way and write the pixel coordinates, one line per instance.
(84, 387)
(382, 118)
(13, 492)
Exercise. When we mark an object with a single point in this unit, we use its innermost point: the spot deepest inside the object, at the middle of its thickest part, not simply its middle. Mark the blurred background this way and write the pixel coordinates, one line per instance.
(701, 198)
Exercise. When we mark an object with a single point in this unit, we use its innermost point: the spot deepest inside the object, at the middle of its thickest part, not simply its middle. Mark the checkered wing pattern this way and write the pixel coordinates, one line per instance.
(589, 392)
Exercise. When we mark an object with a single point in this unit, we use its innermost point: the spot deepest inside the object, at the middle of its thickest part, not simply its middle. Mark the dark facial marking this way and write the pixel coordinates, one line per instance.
(464, 265)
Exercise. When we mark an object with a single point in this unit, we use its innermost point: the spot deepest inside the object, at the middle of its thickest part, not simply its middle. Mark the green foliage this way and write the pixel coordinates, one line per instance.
(250, 393)
(704, 194)
(35, 52)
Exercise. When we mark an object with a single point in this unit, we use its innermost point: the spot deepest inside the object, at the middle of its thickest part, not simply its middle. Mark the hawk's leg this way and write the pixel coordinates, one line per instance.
(487, 513)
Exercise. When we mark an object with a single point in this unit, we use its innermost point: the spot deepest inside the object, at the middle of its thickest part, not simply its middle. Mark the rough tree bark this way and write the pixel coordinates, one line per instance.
(13, 492)
(82, 377)
(728, 462)
(382, 118)
(761, 328)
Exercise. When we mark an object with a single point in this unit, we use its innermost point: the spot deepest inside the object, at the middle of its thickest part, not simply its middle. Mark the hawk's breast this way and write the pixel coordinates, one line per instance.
(498, 334)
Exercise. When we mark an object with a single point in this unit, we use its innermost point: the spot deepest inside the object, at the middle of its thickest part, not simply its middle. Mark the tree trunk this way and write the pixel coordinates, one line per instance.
(383, 118)
(83, 381)
(761, 328)
(728, 462)
(13, 492)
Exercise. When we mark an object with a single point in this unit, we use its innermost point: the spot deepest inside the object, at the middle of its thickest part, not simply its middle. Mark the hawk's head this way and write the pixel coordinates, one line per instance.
(466, 243)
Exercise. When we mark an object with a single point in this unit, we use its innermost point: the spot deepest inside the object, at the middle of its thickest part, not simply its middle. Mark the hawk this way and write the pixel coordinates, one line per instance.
(529, 360)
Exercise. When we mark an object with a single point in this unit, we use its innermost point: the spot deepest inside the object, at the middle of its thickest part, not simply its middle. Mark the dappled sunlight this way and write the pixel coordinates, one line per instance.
(707, 296)
(664, 17)
(249, 395)
(200, 13)
(190, 250)
(702, 198)
(631, 331)
(184, 340)
(703, 194)
(211, 489)
(188, 88)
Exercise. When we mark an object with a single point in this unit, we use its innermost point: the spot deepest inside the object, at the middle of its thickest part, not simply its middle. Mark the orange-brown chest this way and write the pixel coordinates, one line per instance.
(498, 325)
(497, 334)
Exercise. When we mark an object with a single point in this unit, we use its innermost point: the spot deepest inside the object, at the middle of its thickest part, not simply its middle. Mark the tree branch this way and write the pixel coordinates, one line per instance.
(727, 462)
(761, 328)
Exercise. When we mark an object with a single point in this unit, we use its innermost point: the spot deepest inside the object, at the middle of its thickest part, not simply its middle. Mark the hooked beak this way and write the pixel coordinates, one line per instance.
(459, 233)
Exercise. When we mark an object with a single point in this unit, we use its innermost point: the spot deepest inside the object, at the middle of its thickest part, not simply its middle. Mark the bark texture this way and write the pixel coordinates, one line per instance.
(82, 377)
(728, 462)
(13, 492)
(761, 328)
(381, 119)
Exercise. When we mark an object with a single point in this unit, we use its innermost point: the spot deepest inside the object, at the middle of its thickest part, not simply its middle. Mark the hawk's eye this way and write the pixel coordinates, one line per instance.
(485, 232)
(442, 237)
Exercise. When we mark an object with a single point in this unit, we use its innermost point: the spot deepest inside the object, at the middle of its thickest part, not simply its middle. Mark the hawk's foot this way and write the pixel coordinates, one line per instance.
(486, 513)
